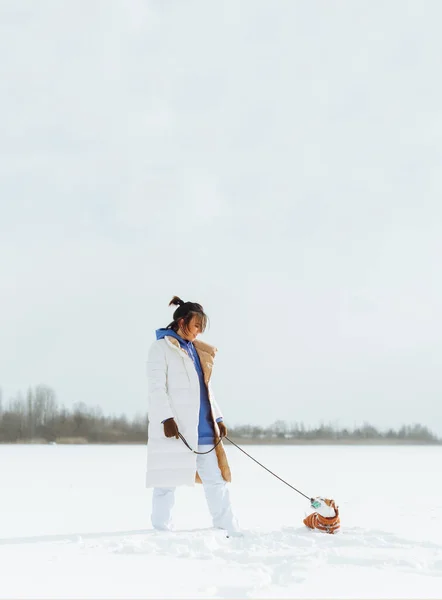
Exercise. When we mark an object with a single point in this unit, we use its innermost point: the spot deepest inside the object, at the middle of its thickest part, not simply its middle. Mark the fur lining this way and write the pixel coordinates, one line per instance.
(223, 463)
(206, 355)
(171, 340)
(205, 347)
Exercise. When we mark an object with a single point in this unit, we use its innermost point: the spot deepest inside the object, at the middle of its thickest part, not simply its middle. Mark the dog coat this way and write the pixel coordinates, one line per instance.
(325, 524)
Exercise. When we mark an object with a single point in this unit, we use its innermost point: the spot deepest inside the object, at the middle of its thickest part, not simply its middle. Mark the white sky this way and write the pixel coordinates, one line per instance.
(278, 161)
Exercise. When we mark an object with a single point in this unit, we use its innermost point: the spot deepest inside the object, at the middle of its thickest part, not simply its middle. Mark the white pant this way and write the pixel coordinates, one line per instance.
(215, 489)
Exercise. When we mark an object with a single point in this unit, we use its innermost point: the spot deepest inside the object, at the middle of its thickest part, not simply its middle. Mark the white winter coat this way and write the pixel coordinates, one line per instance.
(174, 391)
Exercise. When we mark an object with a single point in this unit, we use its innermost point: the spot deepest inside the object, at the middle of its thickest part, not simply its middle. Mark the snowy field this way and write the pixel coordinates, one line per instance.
(74, 523)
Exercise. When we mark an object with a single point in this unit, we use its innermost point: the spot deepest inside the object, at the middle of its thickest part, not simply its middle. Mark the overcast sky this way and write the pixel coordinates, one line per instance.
(278, 161)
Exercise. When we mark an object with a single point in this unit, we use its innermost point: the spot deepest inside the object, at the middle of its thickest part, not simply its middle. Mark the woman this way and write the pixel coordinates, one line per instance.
(181, 401)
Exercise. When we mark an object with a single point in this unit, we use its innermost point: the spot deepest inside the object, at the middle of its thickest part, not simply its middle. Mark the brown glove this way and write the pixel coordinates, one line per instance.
(222, 429)
(170, 428)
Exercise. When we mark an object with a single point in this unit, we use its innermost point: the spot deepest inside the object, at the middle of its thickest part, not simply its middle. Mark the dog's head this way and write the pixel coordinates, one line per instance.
(324, 506)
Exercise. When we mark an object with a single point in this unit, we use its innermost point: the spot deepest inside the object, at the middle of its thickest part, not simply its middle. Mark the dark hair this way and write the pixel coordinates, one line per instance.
(186, 311)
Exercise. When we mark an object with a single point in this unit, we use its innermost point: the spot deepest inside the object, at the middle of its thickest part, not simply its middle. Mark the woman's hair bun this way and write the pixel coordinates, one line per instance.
(176, 301)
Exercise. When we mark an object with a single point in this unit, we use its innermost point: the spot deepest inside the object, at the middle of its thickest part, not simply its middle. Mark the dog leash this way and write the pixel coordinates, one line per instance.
(194, 451)
(313, 502)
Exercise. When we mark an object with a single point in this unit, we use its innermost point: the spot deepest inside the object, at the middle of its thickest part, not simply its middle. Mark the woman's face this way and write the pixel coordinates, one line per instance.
(193, 329)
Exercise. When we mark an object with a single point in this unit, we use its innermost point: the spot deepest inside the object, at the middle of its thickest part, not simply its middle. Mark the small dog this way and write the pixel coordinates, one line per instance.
(326, 516)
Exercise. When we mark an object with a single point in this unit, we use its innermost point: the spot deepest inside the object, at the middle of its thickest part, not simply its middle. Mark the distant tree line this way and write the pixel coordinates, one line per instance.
(280, 430)
(36, 416)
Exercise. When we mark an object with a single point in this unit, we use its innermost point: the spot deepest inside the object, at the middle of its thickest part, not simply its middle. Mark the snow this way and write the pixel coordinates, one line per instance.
(74, 523)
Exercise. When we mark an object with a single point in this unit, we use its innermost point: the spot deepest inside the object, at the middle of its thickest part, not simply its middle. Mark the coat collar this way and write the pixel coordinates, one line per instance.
(204, 347)
(200, 346)
(205, 351)
(174, 343)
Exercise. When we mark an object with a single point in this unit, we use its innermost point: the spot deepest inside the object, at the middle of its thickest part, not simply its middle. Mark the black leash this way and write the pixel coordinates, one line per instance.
(247, 454)
(194, 451)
